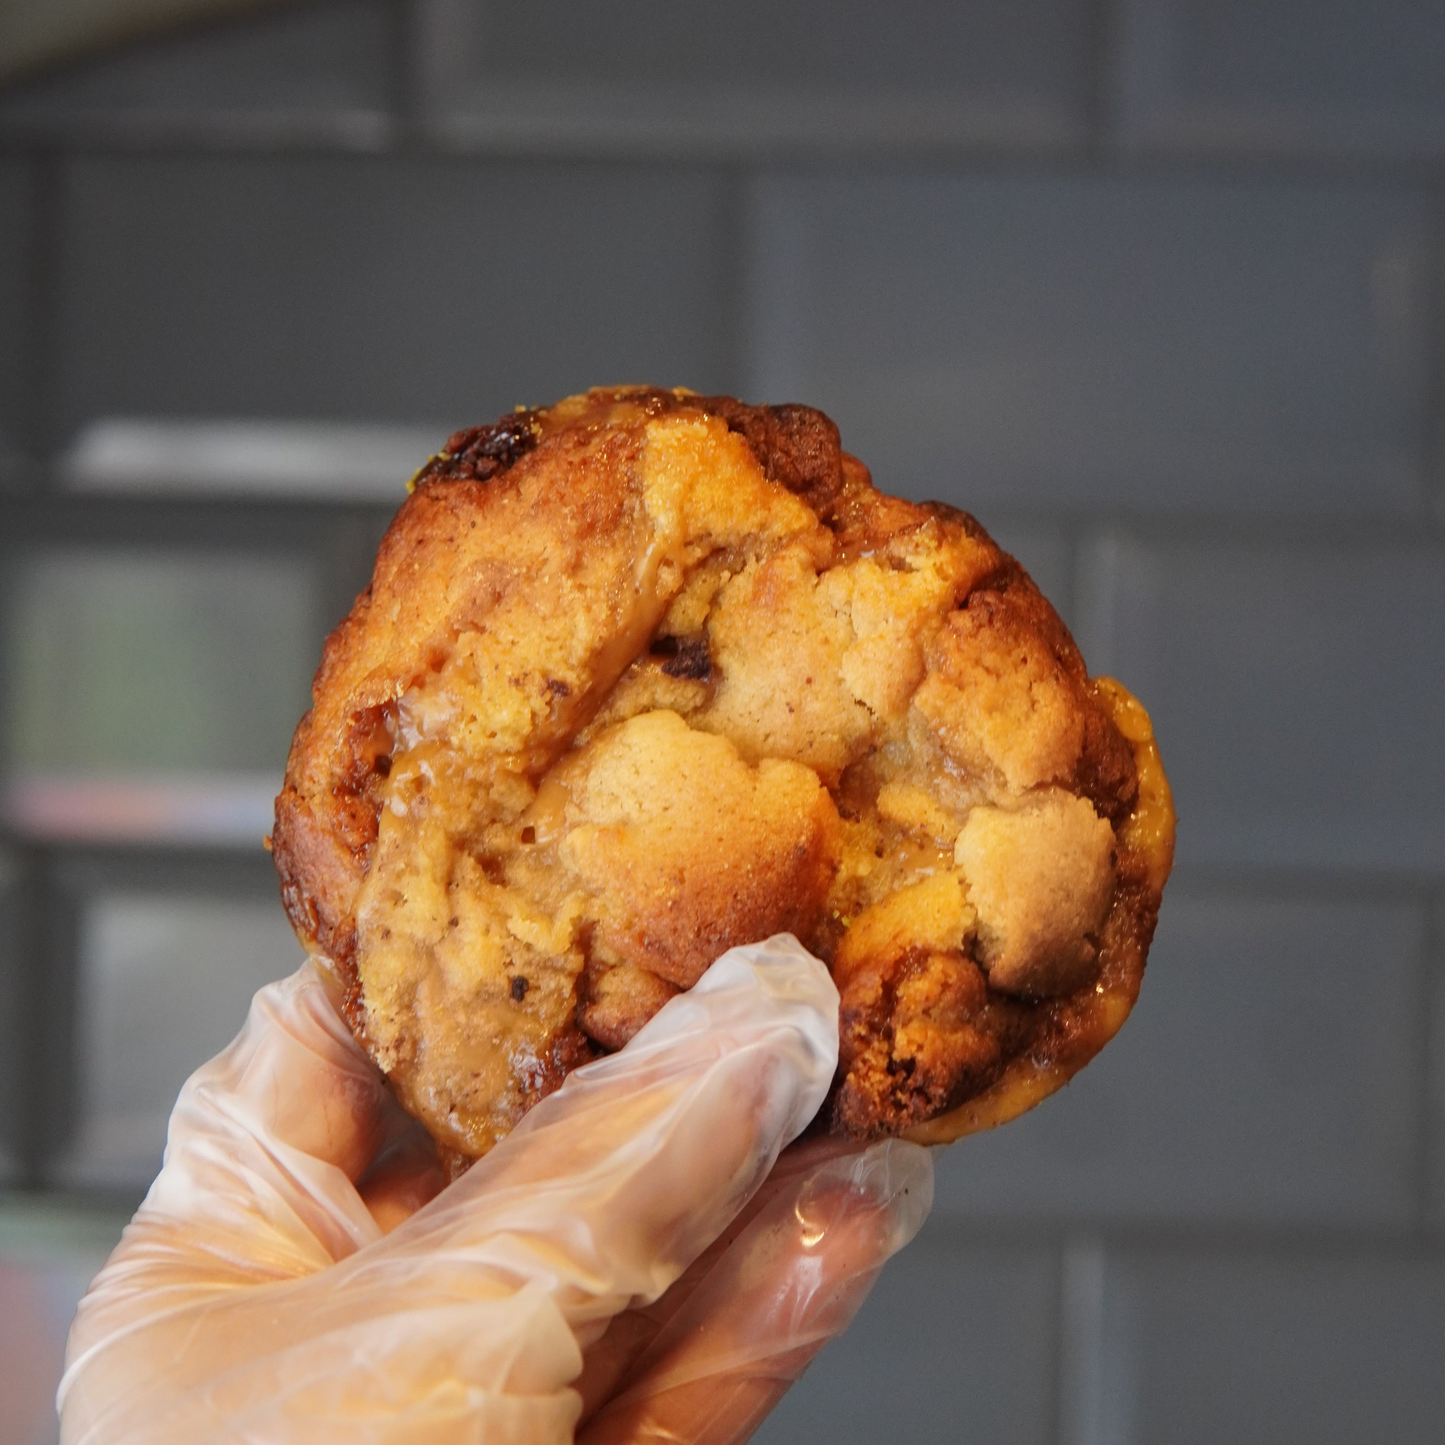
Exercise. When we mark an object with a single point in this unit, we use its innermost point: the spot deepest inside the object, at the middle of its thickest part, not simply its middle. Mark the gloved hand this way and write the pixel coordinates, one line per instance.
(627, 1265)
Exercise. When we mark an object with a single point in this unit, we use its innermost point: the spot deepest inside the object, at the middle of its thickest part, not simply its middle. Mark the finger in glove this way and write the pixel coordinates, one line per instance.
(788, 1283)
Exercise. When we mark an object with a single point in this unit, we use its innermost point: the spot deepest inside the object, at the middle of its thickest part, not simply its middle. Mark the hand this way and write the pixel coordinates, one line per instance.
(627, 1265)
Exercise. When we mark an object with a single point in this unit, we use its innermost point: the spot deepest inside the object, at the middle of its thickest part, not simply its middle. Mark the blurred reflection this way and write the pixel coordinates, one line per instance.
(126, 662)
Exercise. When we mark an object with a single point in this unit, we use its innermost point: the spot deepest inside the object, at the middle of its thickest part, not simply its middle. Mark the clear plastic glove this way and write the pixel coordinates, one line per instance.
(627, 1265)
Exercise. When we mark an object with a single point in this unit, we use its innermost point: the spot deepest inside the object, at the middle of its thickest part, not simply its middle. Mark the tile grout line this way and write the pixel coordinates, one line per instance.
(409, 76)
(413, 124)
(41, 320)
(36, 935)
(1308, 883)
(735, 280)
(1071, 533)
(1094, 585)
(1080, 1365)
(1433, 428)
(1197, 1235)
(1430, 1165)
(1105, 29)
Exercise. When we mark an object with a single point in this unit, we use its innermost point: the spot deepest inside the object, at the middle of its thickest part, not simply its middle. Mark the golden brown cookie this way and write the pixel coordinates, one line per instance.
(645, 675)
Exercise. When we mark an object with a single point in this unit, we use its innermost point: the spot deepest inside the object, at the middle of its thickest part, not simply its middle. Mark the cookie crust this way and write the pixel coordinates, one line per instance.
(644, 675)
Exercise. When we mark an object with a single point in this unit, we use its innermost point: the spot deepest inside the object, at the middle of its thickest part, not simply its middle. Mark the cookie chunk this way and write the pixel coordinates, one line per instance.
(645, 675)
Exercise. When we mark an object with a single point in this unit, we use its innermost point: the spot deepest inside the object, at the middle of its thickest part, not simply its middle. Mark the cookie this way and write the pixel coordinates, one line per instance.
(645, 675)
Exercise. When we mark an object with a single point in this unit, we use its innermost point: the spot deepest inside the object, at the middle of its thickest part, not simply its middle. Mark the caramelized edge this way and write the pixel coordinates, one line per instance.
(1146, 853)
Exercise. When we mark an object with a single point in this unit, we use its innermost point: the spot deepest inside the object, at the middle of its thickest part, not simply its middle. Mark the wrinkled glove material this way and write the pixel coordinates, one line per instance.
(628, 1264)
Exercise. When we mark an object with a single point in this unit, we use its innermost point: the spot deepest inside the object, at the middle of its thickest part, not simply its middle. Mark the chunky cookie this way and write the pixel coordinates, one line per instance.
(645, 675)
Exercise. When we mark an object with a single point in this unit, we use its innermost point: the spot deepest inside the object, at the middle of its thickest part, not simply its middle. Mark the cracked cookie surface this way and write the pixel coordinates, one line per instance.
(645, 675)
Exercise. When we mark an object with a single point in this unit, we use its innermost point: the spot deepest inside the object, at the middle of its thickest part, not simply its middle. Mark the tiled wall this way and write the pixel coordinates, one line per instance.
(1152, 286)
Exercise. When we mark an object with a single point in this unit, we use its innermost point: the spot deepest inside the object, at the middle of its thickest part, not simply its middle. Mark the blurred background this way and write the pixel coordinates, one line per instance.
(1154, 287)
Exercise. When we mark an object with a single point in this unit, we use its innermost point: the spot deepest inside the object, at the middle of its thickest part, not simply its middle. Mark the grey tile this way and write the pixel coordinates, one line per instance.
(1251, 1347)
(1260, 1079)
(164, 984)
(1298, 693)
(313, 61)
(1078, 341)
(653, 75)
(382, 289)
(15, 221)
(1355, 77)
(126, 662)
(955, 1342)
